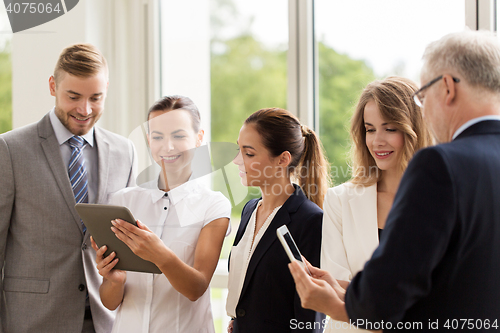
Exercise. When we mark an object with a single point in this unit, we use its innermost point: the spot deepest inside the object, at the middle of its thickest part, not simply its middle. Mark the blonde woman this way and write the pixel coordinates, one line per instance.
(387, 129)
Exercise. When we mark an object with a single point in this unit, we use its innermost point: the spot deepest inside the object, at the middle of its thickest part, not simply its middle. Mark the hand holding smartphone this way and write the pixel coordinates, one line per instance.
(290, 247)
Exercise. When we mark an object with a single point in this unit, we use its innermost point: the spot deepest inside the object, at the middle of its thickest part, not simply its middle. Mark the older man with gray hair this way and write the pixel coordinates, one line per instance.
(437, 266)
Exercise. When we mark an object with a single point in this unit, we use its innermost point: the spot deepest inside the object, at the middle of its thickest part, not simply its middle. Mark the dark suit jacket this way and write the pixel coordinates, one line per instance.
(268, 300)
(439, 258)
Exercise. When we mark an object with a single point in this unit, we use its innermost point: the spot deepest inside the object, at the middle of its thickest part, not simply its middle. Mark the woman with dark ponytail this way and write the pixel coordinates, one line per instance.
(286, 161)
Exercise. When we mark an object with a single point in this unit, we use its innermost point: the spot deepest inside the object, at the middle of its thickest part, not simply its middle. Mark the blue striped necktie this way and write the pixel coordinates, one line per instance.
(77, 172)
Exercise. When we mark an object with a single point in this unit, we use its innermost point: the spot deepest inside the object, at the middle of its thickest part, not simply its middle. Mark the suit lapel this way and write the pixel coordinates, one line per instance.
(245, 218)
(282, 217)
(52, 152)
(102, 165)
(364, 213)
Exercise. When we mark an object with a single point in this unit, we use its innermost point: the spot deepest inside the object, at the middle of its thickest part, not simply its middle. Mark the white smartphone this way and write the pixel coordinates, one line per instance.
(290, 247)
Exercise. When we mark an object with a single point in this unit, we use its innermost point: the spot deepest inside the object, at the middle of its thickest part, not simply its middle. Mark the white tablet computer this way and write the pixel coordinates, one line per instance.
(97, 219)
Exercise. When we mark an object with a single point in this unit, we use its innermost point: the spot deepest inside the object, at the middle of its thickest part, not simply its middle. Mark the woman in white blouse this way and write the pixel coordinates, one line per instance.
(387, 129)
(181, 227)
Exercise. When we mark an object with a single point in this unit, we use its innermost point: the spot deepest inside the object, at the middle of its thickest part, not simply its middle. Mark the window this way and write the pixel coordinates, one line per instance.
(5, 73)
(248, 69)
(362, 40)
(230, 58)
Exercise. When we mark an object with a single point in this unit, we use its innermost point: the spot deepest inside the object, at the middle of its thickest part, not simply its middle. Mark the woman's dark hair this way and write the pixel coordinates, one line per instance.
(176, 102)
(281, 131)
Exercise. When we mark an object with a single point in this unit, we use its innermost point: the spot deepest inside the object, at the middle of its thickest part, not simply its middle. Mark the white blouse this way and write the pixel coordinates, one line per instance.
(150, 303)
(240, 258)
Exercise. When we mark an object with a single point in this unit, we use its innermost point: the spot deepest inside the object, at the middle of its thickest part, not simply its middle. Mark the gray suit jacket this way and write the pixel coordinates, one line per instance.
(48, 264)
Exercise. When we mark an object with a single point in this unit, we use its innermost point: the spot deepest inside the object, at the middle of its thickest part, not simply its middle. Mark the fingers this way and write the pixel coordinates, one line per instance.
(306, 261)
(315, 271)
(301, 282)
(301, 278)
(107, 264)
(99, 252)
(124, 226)
(122, 231)
(298, 273)
(94, 245)
(320, 283)
(343, 284)
(142, 226)
(106, 260)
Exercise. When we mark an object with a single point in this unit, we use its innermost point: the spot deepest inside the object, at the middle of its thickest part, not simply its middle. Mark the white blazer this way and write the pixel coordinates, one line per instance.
(350, 234)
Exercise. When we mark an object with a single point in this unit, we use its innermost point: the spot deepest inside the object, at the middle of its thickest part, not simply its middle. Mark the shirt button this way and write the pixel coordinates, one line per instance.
(81, 287)
(165, 208)
(240, 313)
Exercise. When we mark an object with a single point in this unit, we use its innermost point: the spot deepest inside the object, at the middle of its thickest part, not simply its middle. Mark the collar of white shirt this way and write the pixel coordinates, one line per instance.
(63, 134)
(175, 195)
(472, 122)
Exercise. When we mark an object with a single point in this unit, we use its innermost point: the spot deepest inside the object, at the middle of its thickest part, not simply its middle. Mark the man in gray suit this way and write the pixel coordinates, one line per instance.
(49, 281)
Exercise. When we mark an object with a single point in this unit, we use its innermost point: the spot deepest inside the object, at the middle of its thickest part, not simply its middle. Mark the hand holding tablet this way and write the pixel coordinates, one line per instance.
(97, 219)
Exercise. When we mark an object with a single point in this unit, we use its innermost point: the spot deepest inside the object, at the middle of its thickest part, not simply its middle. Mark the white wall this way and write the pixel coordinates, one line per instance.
(124, 30)
(34, 55)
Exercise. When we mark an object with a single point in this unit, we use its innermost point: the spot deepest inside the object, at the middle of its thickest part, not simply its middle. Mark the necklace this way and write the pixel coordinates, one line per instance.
(262, 229)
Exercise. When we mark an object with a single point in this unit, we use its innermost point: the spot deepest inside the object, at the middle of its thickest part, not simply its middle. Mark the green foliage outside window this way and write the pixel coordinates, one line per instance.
(341, 80)
(5, 89)
(246, 77)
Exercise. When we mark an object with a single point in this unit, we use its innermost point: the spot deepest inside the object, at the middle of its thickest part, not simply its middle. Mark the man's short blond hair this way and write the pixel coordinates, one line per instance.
(81, 60)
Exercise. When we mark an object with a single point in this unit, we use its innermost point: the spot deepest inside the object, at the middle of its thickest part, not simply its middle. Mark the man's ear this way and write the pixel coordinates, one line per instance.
(52, 85)
(450, 85)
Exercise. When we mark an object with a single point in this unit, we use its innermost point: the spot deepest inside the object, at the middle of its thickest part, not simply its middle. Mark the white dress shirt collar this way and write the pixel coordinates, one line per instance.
(63, 134)
(472, 122)
(175, 195)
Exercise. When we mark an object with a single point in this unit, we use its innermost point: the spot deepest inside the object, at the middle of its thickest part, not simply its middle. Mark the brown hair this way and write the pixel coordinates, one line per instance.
(82, 60)
(281, 131)
(177, 102)
(394, 98)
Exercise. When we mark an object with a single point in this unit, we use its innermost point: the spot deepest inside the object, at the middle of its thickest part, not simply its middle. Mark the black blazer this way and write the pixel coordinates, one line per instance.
(439, 259)
(268, 300)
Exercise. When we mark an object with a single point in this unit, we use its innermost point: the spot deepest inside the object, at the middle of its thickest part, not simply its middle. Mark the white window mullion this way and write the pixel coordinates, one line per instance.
(301, 62)
(481, 14)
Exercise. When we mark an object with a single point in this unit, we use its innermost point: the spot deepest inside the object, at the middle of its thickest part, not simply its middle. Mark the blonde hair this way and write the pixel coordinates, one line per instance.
(281, 131)
(82, 60)
(394, 98)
